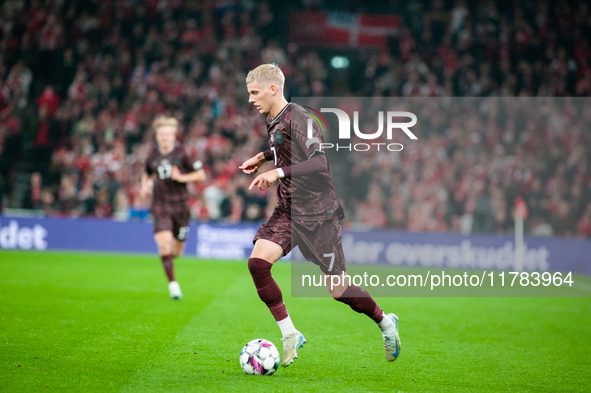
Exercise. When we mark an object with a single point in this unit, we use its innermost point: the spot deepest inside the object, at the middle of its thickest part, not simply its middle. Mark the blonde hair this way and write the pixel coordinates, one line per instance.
(267, 73)
(164, 121)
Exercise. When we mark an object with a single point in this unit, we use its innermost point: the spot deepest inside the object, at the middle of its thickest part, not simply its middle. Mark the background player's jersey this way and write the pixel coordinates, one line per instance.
(309, 195)
(170, 195)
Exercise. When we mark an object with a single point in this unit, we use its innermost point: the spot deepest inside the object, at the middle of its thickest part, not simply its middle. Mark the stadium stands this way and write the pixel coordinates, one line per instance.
(80, 85)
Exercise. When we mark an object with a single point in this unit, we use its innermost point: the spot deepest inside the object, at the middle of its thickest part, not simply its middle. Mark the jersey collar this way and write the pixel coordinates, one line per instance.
(170, 152)
(280, 113)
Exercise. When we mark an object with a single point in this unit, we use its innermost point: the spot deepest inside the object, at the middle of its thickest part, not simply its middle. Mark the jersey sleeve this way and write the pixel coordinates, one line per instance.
(317, 163)
(309, 144)
(190, 165)
(268, 154)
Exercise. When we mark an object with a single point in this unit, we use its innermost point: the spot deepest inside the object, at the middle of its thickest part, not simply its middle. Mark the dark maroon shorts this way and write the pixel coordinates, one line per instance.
(177, 222)
(319, 240)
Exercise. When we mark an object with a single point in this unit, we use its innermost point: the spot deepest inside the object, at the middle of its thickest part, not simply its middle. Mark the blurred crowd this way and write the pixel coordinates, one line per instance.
(473, 158)
(81, 81)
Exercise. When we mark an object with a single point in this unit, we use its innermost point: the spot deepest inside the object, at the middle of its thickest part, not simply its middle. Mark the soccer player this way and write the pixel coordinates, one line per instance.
(168, 170)
(311, 222)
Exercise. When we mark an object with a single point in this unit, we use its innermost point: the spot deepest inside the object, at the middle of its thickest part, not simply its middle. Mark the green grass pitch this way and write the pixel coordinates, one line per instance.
(102, 322)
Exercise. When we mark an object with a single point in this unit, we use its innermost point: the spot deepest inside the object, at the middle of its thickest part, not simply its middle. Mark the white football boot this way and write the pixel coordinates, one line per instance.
(175, 290)
(291, 344)
(392, 340)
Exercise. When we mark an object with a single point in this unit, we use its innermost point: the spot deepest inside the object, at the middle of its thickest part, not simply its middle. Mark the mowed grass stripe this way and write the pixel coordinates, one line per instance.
(451, 344)
(87, 321)
(206, 351)
(140, 340)
(204, 357)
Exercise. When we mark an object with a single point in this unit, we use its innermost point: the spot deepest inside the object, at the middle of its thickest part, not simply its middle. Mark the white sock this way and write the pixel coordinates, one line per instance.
(286, 326)
(386, 323)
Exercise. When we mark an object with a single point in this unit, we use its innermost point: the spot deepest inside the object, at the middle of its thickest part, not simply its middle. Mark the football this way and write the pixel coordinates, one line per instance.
(259, 357)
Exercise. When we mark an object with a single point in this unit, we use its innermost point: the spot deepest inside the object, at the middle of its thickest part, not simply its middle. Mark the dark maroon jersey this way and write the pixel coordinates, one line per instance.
(308, 195)
(170, 196)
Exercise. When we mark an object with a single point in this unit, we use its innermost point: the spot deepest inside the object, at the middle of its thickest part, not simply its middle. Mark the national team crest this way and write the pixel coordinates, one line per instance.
(279, 137)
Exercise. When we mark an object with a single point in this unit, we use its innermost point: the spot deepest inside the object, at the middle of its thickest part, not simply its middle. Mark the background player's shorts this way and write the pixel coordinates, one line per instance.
(177, 222)
(319, 240)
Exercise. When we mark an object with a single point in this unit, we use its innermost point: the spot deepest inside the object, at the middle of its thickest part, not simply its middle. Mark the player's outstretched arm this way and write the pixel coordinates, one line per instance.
(316, 163)
(190, 177)
(253, 164)
(265, 180)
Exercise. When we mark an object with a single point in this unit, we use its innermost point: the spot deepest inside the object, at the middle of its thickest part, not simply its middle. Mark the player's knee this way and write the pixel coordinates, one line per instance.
(267, 251)
(258, 266)
(164, 242)
(336, 292)
(164, 248)
(178, 250)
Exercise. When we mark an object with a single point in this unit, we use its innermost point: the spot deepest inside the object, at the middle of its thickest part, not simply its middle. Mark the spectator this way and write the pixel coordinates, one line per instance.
(50, 100)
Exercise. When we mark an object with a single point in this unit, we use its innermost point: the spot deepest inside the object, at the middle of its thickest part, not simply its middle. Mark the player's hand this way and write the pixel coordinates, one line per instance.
(144, 192)
(265, 180)
(176, 174)
(252, 165)
(146, 189)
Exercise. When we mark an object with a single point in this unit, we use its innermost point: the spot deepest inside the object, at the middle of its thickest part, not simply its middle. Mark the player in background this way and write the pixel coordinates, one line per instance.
(168, 170)
(311, 220)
